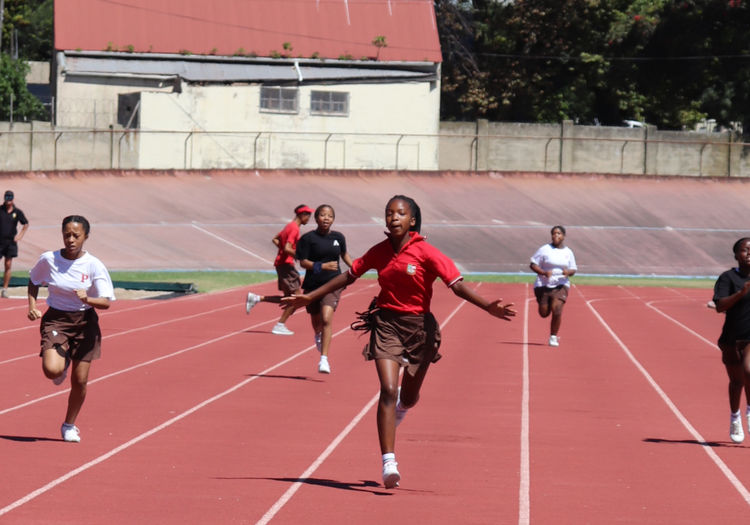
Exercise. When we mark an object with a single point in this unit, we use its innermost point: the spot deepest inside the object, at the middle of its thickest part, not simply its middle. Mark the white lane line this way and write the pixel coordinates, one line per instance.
(124, 446)
(284, 499)
(736, 483)
(102, 378)
(675, 321)
(524, 501)
(129, 331)
(268, 516)
(231, 244)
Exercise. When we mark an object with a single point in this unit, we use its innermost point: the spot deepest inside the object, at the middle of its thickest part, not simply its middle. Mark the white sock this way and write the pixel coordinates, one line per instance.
(400, 407)
(390, 456)
(68, 425)
(735, 416)
(324, 358)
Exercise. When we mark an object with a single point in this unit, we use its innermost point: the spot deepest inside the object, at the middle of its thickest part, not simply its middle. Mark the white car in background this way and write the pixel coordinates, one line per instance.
(633, 124)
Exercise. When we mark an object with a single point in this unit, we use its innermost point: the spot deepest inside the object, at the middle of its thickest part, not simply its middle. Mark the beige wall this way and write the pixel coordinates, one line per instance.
(91, 102)
(380, 112)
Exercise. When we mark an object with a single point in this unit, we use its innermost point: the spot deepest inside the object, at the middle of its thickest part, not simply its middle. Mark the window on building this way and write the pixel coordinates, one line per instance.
(329, 103)
(279, 100)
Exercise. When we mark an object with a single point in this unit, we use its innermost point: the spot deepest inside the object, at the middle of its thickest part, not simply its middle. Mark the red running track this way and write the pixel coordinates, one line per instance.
(197, 414)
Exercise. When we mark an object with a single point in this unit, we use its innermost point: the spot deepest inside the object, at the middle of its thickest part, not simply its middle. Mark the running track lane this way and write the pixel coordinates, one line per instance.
(149, 403)
(214, 431)
(592, 415)
(126, 341)
(458, 449)
(584, 468)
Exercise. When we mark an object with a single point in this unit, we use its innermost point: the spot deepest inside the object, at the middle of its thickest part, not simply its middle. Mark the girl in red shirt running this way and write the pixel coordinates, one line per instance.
(403, 331)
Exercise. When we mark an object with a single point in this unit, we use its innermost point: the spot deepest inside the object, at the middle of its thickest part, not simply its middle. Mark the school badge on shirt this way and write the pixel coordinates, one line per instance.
(411, 269)
(336, 243)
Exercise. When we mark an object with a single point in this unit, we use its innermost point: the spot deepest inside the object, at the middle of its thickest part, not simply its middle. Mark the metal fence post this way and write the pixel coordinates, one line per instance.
(700, 164)
(56, 139)
(622, 157)
(191, 151)
(397, 143)
(255, 151)
(31, 147)
(325, 152)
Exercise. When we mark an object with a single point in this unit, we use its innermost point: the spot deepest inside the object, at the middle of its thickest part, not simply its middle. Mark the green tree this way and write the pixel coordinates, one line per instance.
(35, 38)
(16, 17)
(13, 80)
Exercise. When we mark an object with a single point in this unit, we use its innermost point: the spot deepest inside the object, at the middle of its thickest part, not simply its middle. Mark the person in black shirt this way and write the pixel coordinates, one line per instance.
(10, 216)
(318, 252)
(731, 296)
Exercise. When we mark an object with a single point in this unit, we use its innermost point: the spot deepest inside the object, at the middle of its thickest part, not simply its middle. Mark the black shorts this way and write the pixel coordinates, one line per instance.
(733, 355)
(9, 250)
(544, 293)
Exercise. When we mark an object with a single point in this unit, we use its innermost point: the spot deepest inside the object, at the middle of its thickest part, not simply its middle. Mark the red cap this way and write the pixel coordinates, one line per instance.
(303, 209)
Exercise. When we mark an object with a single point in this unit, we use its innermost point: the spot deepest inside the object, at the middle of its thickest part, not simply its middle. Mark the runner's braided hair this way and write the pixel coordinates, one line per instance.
(80, 220)
(366, 319)
(416, 212)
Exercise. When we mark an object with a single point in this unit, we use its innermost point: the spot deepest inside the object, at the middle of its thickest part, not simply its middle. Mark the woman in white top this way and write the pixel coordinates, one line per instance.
(78, 284)
(553, 264)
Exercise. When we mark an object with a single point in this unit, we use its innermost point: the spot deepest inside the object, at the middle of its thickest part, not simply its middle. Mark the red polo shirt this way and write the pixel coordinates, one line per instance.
(406, 278)
(290, 233)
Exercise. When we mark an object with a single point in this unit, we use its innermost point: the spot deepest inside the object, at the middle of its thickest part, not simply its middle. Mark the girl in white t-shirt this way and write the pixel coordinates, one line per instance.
(78, 284)
(553, 264)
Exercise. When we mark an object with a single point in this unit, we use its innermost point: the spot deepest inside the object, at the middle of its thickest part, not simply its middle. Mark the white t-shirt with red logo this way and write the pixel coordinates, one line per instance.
(556, 259)
(64, 277)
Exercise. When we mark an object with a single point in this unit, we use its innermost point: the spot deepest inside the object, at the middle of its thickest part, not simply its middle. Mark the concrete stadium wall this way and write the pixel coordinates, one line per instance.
(31, 146)
(567, 148)
(485, 221)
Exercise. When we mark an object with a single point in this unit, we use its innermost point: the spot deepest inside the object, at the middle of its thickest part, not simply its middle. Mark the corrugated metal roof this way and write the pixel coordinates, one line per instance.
(197, 71)
(330, 28)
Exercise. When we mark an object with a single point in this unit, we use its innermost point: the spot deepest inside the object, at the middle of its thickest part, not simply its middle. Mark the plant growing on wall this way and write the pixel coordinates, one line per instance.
(13, 80)
(379, 42)
(287, 49)
(275, 54)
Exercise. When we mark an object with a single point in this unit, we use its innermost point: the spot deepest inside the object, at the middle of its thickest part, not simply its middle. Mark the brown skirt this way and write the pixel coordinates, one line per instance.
(74, 332)
(410, 340)
(289, 281)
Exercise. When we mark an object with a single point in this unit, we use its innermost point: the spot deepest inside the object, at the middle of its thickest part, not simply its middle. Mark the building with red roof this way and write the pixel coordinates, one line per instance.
(361, 75)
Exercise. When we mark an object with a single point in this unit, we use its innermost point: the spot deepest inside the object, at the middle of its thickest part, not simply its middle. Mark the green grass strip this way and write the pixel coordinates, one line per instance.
(209, 281)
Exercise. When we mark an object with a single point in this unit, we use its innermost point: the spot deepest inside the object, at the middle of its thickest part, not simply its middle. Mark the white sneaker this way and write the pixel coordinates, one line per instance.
(71, 434)
(736, 432)
(711, 304)
(61, 379)
(323, 366)
(400, 414)
(319, 342)
(281, 329)
(252, 300)
(553, 341)
(391, 477)
(4, 293)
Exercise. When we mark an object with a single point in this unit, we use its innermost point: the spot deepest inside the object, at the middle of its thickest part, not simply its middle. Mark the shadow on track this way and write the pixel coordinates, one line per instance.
(370, 487)
(693, 442)
(29, 439)
(298, 378)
